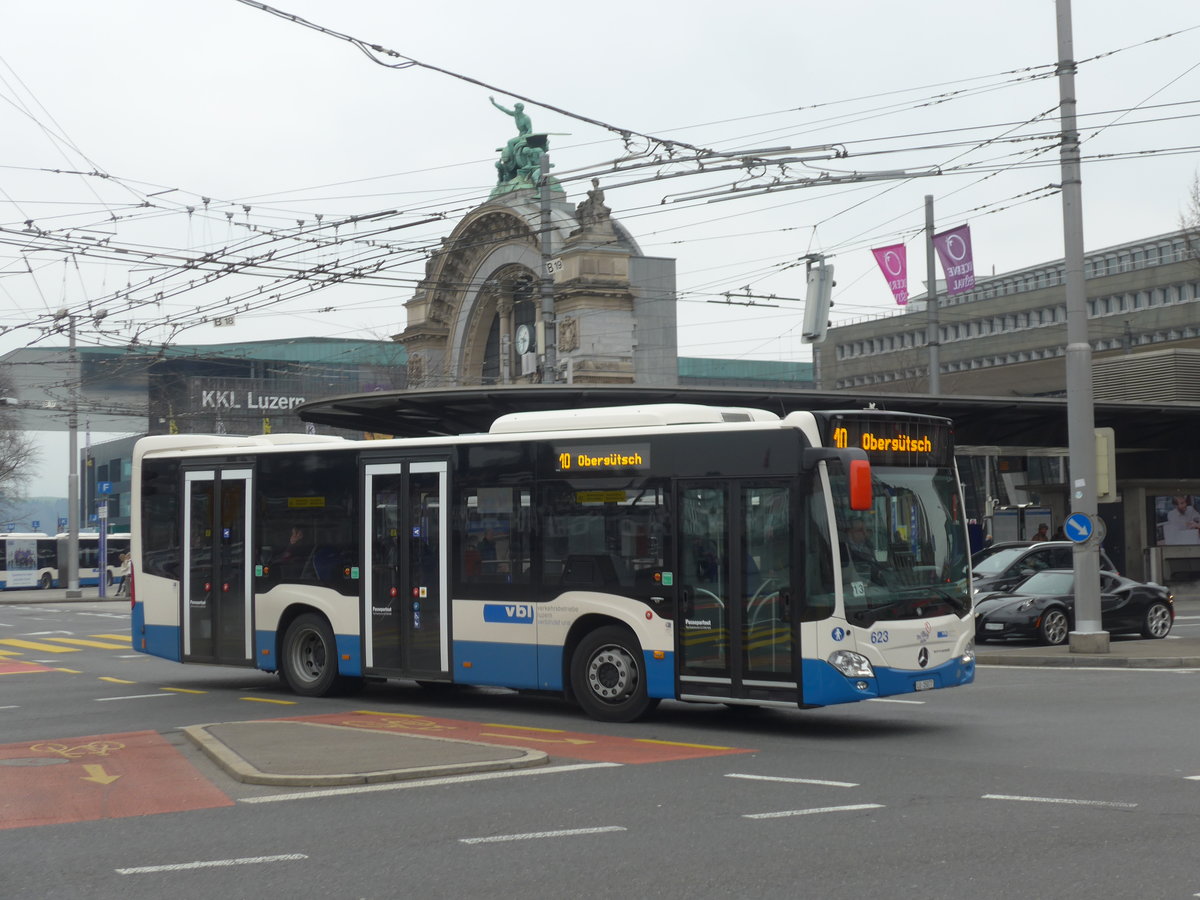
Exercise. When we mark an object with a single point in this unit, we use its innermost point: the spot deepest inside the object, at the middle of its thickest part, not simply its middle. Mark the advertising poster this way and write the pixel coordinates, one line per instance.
(21, 558)
(1177, 521)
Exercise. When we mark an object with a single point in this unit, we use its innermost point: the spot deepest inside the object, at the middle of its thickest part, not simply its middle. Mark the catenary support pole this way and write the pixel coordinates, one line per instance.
(72, 561)
(1089, 635)
(931, 305)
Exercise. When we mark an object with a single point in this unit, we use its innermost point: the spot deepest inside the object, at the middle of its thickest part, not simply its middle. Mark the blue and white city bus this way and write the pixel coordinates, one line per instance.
(620, 556)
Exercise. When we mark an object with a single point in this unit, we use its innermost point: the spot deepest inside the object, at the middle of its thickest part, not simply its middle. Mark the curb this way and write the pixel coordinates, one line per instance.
(1096, 661)
(239, 768)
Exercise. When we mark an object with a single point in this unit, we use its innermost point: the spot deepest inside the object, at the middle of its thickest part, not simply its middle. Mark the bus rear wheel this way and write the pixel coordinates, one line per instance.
(45, 581)
(309, 663)
(608, 676)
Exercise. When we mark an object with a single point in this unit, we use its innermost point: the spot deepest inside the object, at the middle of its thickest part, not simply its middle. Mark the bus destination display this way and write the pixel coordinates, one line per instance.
(601, 459)
(895, 443)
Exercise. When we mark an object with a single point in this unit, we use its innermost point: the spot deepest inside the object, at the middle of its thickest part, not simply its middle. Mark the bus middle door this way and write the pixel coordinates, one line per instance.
(406, 593)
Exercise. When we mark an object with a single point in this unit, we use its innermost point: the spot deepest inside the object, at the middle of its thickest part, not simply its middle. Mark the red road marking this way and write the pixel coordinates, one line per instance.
(106, 776)
(16, 667)
(569, 744)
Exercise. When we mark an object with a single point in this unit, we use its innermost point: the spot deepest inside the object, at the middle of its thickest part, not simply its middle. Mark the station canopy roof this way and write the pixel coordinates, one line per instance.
(982, 424)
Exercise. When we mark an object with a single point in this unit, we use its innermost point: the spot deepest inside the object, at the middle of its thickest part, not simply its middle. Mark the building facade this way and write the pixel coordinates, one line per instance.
(1008, 335)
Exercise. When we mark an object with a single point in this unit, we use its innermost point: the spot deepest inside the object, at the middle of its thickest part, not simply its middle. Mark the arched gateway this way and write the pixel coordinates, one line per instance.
(478, 315)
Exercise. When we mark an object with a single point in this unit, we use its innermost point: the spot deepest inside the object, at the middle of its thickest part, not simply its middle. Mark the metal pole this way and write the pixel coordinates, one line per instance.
(550, 341)
(931, 334)
(1089, 635)
(72, 565)
(102, 548)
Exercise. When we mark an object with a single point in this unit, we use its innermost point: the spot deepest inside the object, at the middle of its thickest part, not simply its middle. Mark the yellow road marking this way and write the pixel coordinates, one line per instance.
(98, 775)
(183, 691)
(116, 680)
(114, 637)
(682, 744)
(268, 700)
(40, 648)
(368, 712)
(574, 741)
(69, 671)
(522, 727)
(83, 643)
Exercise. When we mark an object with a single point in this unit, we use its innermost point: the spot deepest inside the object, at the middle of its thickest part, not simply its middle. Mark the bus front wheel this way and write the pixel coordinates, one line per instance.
(45, 581)
(309, 664)
(608, 676)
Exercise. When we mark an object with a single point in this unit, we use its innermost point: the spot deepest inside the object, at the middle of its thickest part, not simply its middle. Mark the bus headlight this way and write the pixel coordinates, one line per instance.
(852, 665)
(968, 655)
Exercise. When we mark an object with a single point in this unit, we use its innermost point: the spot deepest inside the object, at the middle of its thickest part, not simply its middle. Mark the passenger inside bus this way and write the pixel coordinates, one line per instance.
(289, 563)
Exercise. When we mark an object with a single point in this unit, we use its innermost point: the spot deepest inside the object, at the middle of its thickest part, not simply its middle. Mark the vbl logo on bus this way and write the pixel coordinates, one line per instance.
(508, 612)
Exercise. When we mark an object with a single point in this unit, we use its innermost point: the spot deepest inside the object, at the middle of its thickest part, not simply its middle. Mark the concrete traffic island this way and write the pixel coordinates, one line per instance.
(310, 754)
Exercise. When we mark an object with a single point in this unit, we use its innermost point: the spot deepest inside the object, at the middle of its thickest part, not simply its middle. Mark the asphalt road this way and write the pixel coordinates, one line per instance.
(1031, 782)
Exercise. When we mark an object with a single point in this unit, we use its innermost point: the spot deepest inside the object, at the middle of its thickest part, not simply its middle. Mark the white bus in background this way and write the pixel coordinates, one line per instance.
(28, 560)
(116, 543)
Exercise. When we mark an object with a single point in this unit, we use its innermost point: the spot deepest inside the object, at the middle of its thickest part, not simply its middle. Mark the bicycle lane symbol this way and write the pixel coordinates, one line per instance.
(98, 777)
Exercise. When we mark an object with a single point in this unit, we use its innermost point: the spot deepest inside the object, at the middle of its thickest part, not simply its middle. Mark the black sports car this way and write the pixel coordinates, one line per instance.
(1043, 607)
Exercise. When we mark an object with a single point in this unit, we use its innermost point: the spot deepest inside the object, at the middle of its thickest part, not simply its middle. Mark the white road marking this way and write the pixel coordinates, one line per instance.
(10, 707)
(214, 863)
(44, 633)
(426, 782)
(890, 700)
(537, 835)
(813, 812)
(791, 780)
(1064, 800)
(131, 697)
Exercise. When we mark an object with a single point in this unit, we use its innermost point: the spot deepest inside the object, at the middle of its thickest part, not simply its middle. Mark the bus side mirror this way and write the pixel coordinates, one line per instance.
(856, 465)
(860, 485)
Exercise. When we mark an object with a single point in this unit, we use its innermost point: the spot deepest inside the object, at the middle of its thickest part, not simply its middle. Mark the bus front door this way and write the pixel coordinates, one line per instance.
(406, 592)
(216, 584)
(735, 633)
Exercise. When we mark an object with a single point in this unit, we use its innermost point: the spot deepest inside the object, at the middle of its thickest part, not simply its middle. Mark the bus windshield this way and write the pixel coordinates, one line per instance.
(906, 558)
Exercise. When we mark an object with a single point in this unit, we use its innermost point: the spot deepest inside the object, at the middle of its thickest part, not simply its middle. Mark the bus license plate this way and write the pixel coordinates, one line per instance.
(925, 684)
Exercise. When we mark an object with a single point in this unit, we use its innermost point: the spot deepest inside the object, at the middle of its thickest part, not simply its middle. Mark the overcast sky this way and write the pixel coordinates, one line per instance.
(210, 126)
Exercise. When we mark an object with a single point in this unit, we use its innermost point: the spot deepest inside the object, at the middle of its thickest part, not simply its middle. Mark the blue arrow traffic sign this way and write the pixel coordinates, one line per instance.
(1078, 527)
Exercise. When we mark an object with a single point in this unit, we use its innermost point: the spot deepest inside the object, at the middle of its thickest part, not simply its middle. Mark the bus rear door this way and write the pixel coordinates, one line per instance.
(216, 582)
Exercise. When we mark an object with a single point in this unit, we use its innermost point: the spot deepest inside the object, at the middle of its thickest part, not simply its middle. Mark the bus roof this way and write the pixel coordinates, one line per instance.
(648, 415)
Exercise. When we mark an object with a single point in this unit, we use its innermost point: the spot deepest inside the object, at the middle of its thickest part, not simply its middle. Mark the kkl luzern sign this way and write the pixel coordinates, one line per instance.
(233, 400)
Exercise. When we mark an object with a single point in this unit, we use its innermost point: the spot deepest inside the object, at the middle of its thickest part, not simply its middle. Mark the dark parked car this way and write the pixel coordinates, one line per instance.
(1043, 607)
(1007, 565)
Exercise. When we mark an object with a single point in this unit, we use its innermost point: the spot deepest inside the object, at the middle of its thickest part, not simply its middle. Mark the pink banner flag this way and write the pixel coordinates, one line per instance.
(954, 250)
(893, 262)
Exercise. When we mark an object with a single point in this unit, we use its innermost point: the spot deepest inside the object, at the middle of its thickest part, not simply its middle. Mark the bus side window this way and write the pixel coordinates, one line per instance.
(160, 518)
(493, 525)
(817, 567)
(608, 535)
